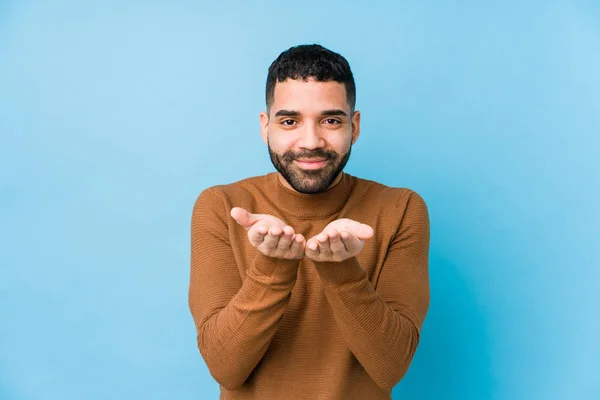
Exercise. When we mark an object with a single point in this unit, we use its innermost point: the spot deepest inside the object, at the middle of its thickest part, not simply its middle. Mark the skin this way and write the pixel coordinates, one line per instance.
(309, 130)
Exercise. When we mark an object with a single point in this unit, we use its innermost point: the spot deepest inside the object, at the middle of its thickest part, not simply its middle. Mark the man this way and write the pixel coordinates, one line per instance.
(309, 283)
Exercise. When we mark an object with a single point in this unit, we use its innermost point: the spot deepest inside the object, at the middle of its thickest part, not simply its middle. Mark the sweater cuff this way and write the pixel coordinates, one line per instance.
(339, 273)
(279, 269)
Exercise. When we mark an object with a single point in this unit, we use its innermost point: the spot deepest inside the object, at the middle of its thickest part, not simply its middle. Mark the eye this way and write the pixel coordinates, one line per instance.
(288, 122)
(332, 121)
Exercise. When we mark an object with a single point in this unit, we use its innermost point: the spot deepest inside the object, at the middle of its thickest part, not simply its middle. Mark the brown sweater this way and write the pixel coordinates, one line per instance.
(274, 329)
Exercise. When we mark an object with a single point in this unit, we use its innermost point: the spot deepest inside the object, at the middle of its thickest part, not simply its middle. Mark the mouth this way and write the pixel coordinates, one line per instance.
(311, 163)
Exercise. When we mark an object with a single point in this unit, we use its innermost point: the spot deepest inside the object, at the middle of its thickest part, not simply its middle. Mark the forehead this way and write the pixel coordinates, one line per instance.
(309, 96)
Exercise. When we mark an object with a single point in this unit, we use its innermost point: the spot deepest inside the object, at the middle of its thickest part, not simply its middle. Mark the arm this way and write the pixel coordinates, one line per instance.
(235, 320)
(382, 326)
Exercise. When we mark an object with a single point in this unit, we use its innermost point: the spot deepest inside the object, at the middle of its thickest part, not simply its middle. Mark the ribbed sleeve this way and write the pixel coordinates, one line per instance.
(235, 320)
(381, 326)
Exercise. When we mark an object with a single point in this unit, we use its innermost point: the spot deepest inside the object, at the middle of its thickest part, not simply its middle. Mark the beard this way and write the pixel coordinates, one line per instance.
(309, 181)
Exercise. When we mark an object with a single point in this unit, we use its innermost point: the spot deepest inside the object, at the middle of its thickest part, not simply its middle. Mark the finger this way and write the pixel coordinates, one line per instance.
(242, 217)
(298, 245)
(312, 248)
(285, 239)
(288, 230)
(351, 242)
(363, 231)
(322, 237)
(323, 242)
(272, 237)
(256, 234)
(345, 235)
(335, 242)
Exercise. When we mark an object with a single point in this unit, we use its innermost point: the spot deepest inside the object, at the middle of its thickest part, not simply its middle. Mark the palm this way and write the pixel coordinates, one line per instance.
(361, 231)
(339, 240)
(270, 235)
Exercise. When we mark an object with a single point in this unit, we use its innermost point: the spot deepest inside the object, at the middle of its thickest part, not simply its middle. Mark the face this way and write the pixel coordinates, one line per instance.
(309, 131)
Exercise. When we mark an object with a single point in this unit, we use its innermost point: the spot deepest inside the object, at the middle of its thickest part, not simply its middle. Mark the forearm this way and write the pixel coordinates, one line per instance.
(382, 339)
(232, 340)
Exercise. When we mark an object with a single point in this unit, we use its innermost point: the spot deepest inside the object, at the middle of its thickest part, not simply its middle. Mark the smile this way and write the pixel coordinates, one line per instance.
(311, 164)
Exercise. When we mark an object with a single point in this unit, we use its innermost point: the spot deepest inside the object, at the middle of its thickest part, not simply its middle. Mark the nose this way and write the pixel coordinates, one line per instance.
(311, 137)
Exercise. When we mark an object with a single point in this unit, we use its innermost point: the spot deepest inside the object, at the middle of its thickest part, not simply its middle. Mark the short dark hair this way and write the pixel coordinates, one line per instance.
(311, 61)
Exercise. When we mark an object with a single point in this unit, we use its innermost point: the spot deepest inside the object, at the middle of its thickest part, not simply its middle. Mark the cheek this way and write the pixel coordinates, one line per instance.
(280, 143)
(340, 143)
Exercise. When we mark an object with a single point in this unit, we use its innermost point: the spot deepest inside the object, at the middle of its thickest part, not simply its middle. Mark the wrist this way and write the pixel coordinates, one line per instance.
(279, 269)
(337, 273)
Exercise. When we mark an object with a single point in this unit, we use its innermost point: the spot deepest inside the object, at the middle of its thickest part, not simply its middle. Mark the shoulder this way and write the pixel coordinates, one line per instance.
(388, 197)
(229, 193)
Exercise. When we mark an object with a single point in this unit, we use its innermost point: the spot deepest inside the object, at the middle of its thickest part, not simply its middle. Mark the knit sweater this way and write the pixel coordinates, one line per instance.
(274, 329)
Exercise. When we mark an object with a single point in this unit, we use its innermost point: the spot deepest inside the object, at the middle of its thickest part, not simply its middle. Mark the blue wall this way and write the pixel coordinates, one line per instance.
(114, 117)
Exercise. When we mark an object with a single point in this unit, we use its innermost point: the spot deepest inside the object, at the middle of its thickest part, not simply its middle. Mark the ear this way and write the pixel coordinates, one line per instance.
(264, 125)
(355, 126)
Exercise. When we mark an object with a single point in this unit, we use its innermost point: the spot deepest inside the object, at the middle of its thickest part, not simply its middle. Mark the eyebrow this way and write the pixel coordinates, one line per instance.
(287, 113)
(333, 113)
(293, 113)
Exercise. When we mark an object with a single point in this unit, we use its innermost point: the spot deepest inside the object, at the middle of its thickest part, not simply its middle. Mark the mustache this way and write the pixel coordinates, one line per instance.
(290, 156)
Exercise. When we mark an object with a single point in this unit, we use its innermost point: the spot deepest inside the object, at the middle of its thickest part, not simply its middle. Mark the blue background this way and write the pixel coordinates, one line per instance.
(114, 117)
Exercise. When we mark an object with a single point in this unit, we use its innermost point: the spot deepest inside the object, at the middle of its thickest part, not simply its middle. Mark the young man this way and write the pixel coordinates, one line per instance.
(309, 283)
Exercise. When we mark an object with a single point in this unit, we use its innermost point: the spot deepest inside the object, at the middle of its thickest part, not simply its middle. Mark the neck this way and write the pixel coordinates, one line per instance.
(308, 206)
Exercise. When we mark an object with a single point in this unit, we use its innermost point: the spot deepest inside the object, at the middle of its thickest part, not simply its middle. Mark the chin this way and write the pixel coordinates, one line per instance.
(309, 190)
(311, 185)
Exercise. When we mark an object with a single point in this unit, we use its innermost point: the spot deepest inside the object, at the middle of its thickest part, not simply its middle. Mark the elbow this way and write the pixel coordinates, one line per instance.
(388, 380)
(227, 380)
(394, 369)
(227, 374)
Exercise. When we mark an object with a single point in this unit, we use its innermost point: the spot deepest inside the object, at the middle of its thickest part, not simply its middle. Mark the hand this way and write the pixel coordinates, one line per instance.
(270, 235)
(340, 240)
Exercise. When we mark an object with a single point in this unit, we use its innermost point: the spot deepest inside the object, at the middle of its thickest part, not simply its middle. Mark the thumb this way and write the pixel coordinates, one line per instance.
(363, 231)
(243, 217)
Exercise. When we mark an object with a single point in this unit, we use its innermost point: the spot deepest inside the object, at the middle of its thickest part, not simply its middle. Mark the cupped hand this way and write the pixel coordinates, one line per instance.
(341, 239)
(270, 235)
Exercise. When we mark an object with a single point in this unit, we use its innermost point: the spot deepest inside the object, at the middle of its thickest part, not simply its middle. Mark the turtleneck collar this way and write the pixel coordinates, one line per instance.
(307, 206)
